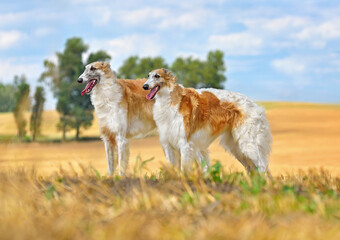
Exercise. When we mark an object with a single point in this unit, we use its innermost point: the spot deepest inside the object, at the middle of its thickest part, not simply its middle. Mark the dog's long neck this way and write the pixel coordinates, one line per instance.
(106, 92)
(170, 95)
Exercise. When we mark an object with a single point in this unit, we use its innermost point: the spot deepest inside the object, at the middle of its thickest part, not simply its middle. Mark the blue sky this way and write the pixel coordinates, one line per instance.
(274, 50)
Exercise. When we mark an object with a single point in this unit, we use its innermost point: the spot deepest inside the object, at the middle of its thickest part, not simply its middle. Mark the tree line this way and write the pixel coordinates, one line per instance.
(76, 112)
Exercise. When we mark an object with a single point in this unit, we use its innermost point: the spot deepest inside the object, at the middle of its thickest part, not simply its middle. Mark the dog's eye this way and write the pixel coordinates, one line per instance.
(157, 76)
(93, 68)
(149, 75)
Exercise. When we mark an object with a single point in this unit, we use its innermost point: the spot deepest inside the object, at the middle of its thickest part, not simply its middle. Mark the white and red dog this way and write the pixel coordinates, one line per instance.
(122, 111)
(189, 120)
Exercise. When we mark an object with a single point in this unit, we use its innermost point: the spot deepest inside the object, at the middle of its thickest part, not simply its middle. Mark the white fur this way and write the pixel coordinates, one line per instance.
(106, 97)
(249, 142)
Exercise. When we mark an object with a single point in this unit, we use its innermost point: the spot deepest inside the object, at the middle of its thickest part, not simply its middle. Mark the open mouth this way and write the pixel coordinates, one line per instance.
(89, 86)
(153, 92)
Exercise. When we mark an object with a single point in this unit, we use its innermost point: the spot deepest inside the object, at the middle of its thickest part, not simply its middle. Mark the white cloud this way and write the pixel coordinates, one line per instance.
(290, 65)
(285, 23)
(294, 31)
(309, 65)
(43, 31)
(10, 68)
(76, 2)
(188, 20)
(13, 18)
(236, 43)
(326, 31)
(167, 18)
(10, 38)
(122, 47)
(191, 54)
(276, 25)
(142, 16)
(40, 16)
(100, 15)
(32, 70)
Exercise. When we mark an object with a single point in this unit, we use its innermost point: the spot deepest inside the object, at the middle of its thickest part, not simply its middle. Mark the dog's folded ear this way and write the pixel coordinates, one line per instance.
(106, 65)
(168, 72)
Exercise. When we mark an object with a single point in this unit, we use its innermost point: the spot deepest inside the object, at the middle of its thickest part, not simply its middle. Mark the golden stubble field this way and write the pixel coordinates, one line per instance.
(304, 136)
(40, 200)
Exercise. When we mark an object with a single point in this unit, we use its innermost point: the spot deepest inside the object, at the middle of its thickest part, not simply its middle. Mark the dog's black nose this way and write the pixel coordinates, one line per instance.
(146, 86)
(80, 80)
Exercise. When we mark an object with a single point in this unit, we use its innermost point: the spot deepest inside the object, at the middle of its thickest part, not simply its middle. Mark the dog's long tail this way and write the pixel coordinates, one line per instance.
(250, 142)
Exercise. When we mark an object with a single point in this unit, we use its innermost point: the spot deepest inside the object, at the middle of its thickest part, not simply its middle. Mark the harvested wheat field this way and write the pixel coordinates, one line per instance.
(61, 190)
(304, 136)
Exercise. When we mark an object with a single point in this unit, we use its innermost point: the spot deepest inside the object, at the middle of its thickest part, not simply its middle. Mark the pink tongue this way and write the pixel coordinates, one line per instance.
(152, 93)
(88, 85)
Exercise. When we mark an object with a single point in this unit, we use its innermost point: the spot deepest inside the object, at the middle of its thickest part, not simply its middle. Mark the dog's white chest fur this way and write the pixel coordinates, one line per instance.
(106, 100)
(169, 121)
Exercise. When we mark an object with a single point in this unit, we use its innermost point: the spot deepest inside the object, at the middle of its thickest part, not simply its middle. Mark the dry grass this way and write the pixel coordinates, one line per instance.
(168, 205)
(40, 202)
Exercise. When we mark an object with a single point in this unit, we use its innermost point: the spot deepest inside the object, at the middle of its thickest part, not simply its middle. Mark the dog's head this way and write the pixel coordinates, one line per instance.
(158, 79)
(93, 74)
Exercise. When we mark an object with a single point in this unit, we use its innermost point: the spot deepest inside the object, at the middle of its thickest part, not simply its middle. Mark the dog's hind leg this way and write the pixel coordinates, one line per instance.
(127, 153)
(187, 156)
(122, 144)
(254, 142)
(203, 159)
(229, 144)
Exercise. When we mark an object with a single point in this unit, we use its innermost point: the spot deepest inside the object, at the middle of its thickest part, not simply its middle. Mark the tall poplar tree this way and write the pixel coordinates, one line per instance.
(37, 111)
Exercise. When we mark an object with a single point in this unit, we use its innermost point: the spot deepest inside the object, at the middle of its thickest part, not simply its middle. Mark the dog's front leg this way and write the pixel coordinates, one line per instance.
(169, 154)
(110, 156)
(122, 144)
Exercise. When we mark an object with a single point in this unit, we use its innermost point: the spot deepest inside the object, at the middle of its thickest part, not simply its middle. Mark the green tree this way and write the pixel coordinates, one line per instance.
(76, 112)
(128, 69)
(188, 71)
(134, 67)
(7, 97)
(201, 74)
(51, 76)
(98, 56)
(213, 74)
(37, 110)
(22, 104)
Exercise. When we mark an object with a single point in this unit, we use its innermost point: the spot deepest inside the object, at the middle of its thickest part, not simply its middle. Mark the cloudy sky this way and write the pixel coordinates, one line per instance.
(274, 50)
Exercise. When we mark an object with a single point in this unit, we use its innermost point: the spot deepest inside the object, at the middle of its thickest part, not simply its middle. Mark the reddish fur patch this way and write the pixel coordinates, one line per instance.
(134, 100)
(201, 110)
(105, 131)
(176, 95)
(105, 67)
(167, 78)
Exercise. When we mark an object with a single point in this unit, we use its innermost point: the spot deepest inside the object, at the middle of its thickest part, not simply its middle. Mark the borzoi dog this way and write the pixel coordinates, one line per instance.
(122, 111)
(189, 120)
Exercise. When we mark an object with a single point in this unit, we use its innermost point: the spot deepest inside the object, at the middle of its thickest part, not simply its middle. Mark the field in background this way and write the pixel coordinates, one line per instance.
(49, 129)
(61, 191)
(305, 136)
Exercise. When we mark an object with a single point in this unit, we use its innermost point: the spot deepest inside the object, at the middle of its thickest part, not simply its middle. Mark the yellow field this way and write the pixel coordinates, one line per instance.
(50, 120)
(40, 200)
(305, 136)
